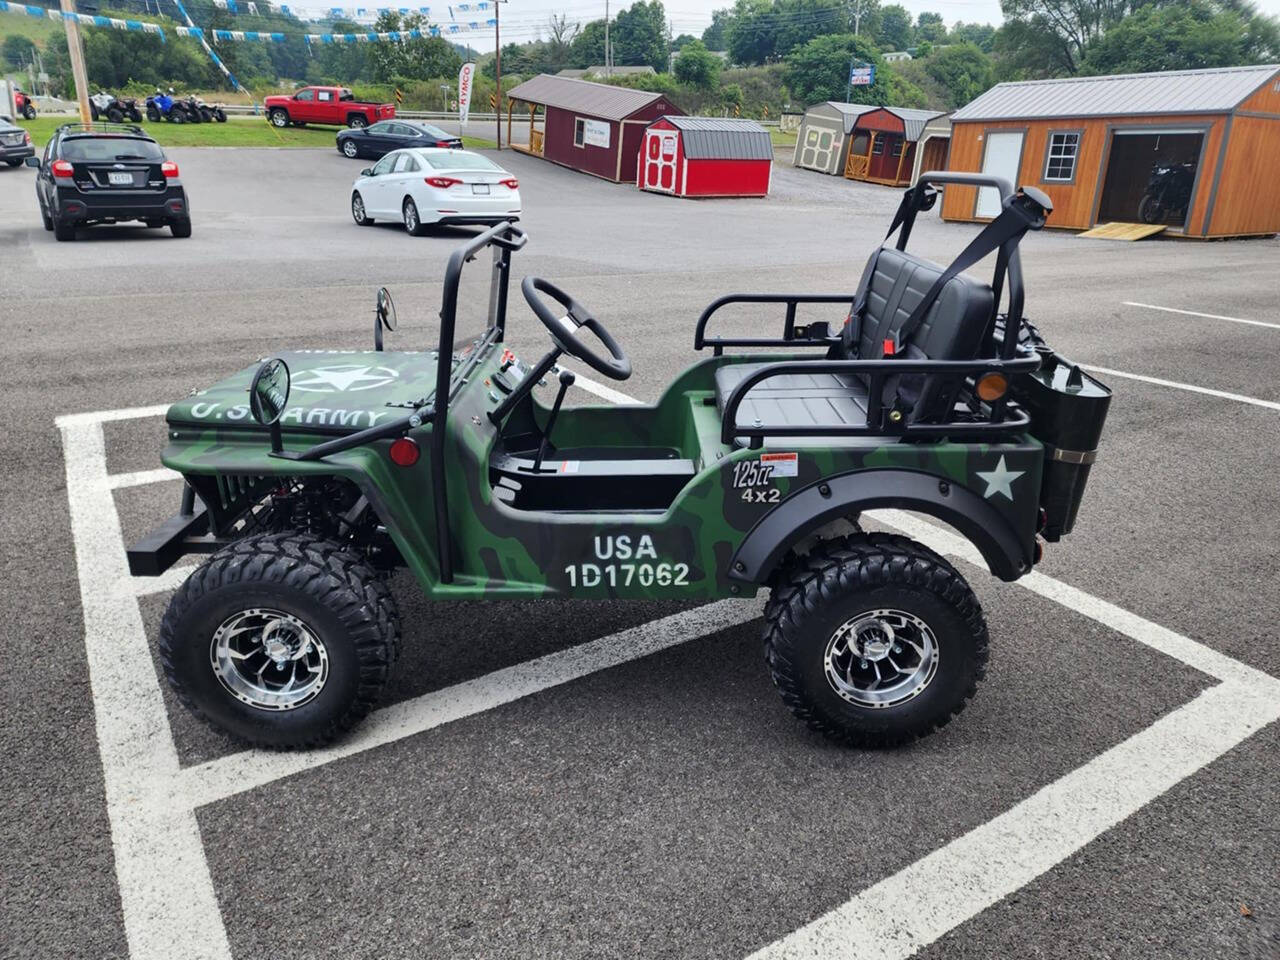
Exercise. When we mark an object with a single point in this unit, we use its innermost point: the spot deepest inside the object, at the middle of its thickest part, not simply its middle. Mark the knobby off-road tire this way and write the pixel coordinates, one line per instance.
(871, 580)
(344, 606)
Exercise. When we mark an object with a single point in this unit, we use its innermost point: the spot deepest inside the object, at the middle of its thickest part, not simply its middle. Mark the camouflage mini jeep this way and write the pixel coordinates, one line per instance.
(311, 476)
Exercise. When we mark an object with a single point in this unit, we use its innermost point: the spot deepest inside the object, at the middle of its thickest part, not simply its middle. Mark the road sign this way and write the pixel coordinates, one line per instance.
(493, 101)
(862, 75)
(399, 96)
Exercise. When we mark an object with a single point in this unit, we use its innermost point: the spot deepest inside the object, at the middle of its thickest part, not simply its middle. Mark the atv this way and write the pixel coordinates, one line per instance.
(311, 476)
(163, 106)
(209, 112)
(107, 106)
(25, 106)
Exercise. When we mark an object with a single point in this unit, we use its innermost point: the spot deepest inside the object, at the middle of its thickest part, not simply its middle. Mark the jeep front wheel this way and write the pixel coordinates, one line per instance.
(281, 640)
(874, 640)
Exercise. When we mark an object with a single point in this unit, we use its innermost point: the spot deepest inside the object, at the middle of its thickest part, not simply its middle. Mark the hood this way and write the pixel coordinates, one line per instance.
(331, 391)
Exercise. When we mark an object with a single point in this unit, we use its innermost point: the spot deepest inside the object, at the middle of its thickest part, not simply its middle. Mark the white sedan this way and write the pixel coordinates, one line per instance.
(425, 186)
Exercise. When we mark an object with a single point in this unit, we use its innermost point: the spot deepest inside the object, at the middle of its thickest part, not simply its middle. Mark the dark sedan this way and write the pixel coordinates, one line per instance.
(15, 144)
(381, 138)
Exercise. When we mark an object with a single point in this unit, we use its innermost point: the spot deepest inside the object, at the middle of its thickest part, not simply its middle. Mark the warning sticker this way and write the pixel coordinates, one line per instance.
(783, 464)
(569, 466)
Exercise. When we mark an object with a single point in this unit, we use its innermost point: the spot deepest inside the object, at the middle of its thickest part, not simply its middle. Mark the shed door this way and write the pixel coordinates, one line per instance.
(817, 146)
(660, 160)
(1002, 156)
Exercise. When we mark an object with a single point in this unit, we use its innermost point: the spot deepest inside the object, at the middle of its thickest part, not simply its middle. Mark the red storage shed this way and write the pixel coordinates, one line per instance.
(592, 127)
(706, 157)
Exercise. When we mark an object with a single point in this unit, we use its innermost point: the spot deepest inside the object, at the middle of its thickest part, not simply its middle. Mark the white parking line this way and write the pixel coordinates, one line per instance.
(1207, 316)
(602, 391)
(1191, 387)
(118, 481)
(166, 891)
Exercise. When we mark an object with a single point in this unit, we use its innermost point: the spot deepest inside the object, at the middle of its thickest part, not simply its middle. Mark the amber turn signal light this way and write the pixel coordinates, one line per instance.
(992, 386)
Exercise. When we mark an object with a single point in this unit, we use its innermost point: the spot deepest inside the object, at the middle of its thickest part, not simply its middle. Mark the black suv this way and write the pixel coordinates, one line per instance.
(108, 173)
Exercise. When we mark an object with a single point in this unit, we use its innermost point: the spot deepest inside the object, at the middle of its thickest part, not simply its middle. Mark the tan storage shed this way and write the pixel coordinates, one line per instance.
(1194, 150)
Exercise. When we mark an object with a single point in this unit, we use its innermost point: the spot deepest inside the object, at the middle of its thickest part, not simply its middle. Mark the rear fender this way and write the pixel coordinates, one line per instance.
(778, 531)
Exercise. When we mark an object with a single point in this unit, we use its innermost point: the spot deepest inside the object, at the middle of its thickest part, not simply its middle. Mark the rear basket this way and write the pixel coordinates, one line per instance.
(1068, 409)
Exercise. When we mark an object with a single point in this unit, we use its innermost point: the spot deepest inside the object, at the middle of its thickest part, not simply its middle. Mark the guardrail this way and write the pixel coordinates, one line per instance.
(244, 109)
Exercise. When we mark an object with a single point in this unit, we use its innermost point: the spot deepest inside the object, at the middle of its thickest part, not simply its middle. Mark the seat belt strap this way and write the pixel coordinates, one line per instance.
(1019, 215)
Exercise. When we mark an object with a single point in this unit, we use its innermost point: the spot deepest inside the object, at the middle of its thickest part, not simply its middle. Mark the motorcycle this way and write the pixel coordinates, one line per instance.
(163, 106)
(25, 105)
(1167, 192)
(116, 110)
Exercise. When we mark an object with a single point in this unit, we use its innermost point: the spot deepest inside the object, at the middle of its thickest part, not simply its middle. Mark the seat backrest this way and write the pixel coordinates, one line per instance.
(952, 329)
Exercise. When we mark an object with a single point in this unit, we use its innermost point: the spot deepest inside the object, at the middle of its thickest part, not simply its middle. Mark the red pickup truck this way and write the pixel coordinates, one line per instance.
(334, 106)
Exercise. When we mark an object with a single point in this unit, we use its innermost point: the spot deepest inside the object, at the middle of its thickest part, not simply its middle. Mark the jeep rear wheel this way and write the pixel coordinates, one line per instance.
(281, 640)
(874, 640)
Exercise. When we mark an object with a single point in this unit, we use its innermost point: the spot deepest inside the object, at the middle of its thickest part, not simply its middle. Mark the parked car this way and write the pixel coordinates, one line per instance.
(89, 175)
(422, 187)
(25, 105)
(334, 106)
(381, 138)
(15, 143)
(107, 106)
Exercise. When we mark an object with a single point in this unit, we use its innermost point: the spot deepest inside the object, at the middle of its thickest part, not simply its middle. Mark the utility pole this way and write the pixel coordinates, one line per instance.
(608, 61)
(77, 59)
(497, 66)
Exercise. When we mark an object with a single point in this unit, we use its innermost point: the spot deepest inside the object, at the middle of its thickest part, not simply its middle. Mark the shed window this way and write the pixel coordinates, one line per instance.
(579, 132)
(896, 151)
(877, 147)
(1061, 161)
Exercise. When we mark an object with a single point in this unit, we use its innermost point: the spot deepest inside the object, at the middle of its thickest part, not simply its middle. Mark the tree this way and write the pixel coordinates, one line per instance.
(559, 43)
(981, 35)
(895, 28)
(697, 66)
(587, 48)
(1181, 36)
(762, 31)
(423, 58)
(714, 36)
(819, 70)
(963, 69)
(682, 41)
(639, 35)
(16, 51)
(865, 16)
(930, 28)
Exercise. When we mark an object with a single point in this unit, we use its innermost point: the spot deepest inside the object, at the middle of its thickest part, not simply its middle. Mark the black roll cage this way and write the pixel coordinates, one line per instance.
(1001, 418)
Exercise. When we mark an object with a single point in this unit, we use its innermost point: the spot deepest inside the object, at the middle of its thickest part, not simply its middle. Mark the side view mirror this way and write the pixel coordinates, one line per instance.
(384, 316)
(268, 396)
(33, 162)
(367, 172)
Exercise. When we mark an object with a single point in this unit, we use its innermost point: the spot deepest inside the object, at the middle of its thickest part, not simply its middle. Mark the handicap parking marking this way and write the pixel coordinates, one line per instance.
(1197, 313)
(165, 885)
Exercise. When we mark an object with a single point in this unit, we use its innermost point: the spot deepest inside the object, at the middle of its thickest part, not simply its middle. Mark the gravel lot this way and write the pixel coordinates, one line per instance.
(668, 806)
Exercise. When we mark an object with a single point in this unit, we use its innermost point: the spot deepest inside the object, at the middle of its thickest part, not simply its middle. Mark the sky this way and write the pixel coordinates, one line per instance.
(522, 19)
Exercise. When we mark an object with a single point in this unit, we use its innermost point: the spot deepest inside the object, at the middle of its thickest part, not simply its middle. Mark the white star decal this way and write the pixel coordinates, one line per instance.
(1000, 480)
(343, 378)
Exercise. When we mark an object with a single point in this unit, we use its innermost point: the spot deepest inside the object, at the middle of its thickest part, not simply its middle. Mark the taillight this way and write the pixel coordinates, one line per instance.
(442, 182)
(511, 182)
(62, 168)
(169, 169)
(404, 452)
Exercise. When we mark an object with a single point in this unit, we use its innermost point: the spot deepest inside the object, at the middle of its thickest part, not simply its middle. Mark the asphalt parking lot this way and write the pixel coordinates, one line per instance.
(1109, 793)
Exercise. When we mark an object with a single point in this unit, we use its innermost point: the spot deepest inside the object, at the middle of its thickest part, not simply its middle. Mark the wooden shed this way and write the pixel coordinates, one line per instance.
(1194, 150)
(822, 142)
(884, 143)
(592, 127)
(706, 157)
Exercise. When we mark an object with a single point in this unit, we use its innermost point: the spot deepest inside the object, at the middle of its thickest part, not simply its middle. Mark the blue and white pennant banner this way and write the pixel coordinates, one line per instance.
(82, 18)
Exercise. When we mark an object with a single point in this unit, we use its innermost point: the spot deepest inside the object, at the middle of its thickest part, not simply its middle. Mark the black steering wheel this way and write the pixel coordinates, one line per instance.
(564, 328)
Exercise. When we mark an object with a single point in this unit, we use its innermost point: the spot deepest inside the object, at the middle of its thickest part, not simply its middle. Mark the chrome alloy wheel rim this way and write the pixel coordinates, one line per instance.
(881, 658)
(349, 148)
(410, 217)
(357, 208)
(269, 659)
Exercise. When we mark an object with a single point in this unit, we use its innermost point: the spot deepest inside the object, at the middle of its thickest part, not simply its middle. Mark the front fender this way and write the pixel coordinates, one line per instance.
(1007, 555)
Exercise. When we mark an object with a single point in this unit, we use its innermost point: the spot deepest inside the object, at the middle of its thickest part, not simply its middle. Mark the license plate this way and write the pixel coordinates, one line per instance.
(480, 188)
(124, 179)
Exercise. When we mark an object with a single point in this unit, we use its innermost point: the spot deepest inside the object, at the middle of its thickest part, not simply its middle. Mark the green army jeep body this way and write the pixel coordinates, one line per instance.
(311, 476)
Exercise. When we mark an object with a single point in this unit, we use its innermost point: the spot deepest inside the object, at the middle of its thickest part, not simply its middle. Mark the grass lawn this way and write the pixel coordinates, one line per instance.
(36, 30)
(782, 138)
(236, 132)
